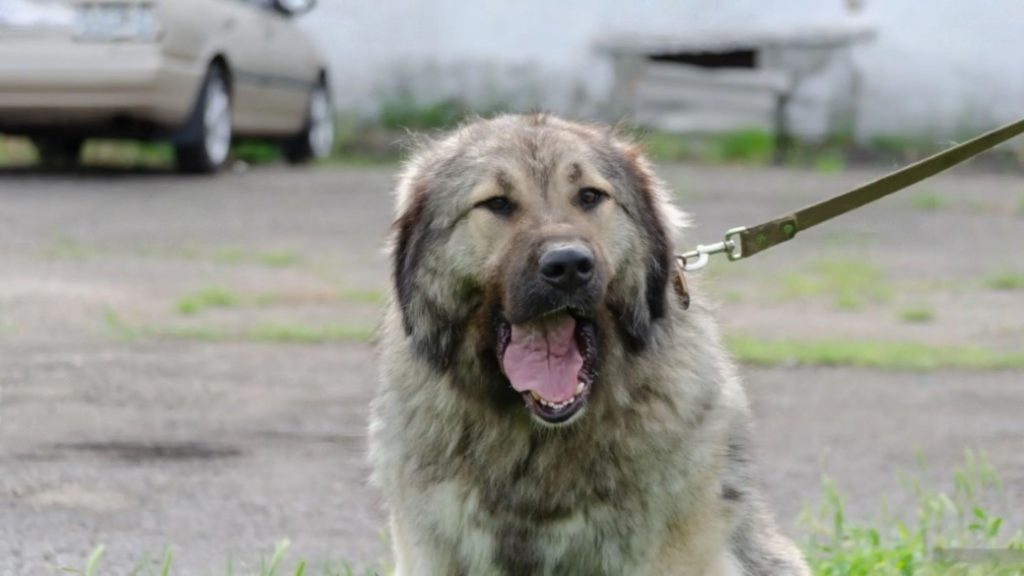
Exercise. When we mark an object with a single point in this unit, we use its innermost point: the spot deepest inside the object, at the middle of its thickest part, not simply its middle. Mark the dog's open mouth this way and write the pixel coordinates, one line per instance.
(550, 360)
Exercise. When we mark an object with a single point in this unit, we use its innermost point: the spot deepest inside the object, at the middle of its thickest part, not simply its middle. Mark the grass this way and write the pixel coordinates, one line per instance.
(281, 333)
(747, 146)
(918, 315)
(829, 162)
(1005, 281)
(363, 296)
(928, 202)
(211, 298)
(66, 248)
(271, 259)
(306, 334)
(893, 546)
(1020, 206)
(851, 284)
(885, 355)
(754, 147)
(206, 299)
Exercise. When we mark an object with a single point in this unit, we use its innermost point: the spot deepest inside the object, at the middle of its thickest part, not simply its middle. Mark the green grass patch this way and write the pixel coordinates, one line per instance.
(272, 258)
(893, 546)
(118, 328)
(1020, 206)
(850, 284)
(665, 147)
(283, 333)
(882, 355)
(206, 299)
(306, 334)
(279, 259)
(127, 154)
(745, 146)
(16, 152)
(293, 333)
(67, 248)
(917, 315)
(829, 162)
(1005, 281)
(928, 202)
(363, 296)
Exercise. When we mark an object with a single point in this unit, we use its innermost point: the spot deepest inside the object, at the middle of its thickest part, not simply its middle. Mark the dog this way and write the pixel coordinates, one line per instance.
(549, 403)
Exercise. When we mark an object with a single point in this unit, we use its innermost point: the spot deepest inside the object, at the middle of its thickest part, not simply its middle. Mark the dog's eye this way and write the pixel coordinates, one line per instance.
(590, 197)
(499, 205)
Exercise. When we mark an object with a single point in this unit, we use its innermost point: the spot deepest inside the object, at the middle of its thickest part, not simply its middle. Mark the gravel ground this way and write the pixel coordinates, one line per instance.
(128, 422)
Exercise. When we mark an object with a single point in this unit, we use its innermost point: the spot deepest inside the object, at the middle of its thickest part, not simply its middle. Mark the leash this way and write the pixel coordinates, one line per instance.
(744, 241)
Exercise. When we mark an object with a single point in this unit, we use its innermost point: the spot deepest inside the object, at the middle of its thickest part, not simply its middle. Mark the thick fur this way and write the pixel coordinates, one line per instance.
(655, 476)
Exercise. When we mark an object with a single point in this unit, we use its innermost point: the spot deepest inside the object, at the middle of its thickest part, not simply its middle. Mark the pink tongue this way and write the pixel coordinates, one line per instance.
(542, 357)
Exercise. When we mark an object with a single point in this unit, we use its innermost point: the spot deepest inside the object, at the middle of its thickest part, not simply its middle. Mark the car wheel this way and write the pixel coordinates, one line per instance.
(59, 152)
(316, 141)
(208, 150)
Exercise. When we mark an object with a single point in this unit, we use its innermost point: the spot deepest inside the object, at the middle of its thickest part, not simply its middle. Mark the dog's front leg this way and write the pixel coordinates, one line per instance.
(419, 554)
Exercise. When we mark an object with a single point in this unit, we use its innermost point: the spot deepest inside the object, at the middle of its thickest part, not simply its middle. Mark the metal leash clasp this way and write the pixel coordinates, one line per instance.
(730, 246)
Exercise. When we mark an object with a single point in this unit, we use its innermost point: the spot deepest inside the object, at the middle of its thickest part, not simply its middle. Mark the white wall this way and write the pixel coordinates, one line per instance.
(936, 67)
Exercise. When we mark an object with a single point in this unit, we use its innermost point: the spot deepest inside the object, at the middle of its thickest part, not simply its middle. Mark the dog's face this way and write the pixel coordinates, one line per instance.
(543, 242)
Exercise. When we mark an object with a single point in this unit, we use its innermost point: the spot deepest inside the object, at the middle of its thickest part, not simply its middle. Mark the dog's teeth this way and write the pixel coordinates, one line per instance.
(580, 387)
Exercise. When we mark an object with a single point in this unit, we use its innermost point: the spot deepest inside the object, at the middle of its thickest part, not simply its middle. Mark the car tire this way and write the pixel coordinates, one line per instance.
(316, 141)
(207, 151)
(59, 152)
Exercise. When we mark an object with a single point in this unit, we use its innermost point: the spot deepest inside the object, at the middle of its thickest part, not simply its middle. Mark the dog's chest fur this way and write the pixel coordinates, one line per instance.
(504, 496)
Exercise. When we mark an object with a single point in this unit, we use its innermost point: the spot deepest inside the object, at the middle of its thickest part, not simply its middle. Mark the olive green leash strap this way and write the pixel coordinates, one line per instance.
(746, 241)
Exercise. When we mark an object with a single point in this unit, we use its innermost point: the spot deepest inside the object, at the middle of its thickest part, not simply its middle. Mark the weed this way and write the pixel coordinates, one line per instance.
(67, 248)
(279, 259)
(271, 259)
(748, 146)
(363, 296)
(942, 524)
(207, 299)
(118, 328)
(928, 202)
(305, 334)
(850, 283)
(1006, 281)
(830, 162)
(870, 354)
(665, 147)
(405, 112)
(918, 315)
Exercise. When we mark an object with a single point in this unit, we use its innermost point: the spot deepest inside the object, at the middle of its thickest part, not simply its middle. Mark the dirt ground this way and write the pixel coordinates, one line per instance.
(184, 362)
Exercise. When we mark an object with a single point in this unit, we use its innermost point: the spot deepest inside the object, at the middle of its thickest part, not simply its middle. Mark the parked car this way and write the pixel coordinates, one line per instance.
(197, 73)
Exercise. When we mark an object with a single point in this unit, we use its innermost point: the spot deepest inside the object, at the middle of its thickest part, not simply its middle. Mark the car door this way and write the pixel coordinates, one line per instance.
(246, 42)
(283, 80)
(296, 67)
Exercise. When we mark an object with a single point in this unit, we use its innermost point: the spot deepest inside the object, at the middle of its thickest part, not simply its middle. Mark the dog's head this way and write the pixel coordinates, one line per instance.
(532, 244)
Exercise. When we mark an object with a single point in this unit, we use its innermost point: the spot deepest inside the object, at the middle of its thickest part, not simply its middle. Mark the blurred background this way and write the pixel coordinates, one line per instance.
(186, 361)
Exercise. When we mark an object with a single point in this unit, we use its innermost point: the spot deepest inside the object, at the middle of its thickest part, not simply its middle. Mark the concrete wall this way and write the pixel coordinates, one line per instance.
(937, 66)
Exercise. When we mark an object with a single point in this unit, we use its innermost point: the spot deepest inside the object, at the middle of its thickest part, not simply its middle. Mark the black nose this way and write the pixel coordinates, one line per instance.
(567, 267)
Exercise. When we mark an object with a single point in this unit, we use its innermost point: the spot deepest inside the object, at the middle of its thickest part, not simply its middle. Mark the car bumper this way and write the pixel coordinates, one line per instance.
(47, 84)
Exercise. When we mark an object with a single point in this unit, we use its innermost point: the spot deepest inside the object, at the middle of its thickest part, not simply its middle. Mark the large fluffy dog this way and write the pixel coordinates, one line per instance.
(549, 405)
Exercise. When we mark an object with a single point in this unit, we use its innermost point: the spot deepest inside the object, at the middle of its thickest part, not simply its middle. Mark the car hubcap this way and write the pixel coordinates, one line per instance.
(217, 120)
(321, 125)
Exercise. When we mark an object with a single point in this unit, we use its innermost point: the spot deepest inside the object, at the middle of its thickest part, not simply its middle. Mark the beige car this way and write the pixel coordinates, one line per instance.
(197, 73)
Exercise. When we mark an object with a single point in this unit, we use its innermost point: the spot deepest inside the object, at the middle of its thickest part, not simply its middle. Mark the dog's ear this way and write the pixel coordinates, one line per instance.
(654, 214)
(428, 323)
